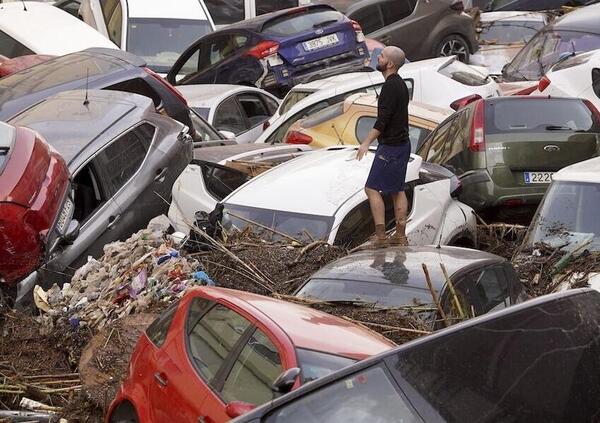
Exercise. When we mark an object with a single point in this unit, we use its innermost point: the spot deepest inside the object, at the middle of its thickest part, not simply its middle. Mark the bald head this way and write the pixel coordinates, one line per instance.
(395, 55)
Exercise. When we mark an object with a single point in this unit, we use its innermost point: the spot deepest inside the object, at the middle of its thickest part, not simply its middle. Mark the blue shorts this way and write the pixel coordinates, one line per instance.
(388, 171)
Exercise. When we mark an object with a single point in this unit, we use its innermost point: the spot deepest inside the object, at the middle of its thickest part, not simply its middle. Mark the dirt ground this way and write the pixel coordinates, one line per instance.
(79, 369)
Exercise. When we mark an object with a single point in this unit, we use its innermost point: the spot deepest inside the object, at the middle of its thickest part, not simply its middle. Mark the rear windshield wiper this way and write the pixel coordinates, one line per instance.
(558, 128)
(324, 23)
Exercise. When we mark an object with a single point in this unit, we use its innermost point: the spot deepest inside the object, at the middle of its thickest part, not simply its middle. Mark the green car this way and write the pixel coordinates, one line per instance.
(505, 149)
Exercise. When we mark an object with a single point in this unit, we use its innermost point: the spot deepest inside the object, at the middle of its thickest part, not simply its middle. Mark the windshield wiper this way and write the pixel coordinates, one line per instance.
(324, 23)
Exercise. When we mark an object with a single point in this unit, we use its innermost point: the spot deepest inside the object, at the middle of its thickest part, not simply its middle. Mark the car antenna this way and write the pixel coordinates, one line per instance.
(337, 134)
(371, 82)
(87, 77)
(24, 7)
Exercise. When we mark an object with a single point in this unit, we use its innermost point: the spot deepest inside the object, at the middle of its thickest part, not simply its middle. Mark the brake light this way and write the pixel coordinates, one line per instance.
(477, 142)
(543, 84)
(458, 6)
(594, 110)
(167, 85)
(462, 102)
(264, 49)
(295, 137)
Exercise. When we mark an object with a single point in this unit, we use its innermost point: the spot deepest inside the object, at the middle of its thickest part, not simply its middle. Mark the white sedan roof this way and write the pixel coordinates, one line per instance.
(587, 171)
(46, 29)
(317, 183)
(172, 9)
(209, 95)
(514, 16)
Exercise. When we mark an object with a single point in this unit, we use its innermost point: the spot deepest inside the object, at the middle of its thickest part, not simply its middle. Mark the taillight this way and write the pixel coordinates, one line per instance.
(167, 85)
(360, 37)
(266, 125)
(458, 6)
(264, 49)
(543, 84)
(295, 137)
(595, 112)
(462, 102)
(477, 142)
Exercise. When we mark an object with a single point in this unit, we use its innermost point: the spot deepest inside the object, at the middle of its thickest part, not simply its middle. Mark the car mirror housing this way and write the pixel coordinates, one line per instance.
(237, 408)
(286, 380)
(72, 232)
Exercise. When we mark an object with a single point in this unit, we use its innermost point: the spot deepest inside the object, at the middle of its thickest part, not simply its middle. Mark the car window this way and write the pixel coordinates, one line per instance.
(293, 97)
(369, 395)
(272, 105)
(228, 117)
(356, 227)
(254, 371)
(278, 135)
(254, 108)
(71, 7)
(369, 18)
(138, 86)
(463, 74)
(433, 150)
(457, 138)
(10, 47)
(89, 192)
(364, 126)
(158, 329)
(190, 66)
(213, 337)
(202, 130)
(268, 6)
(492, 287)
(108, 7)
(124, 156)
(301, 22)
(220, 47)
(316, 364)
(220, 181)
(508, 32)
(395, 10)
(114, 25)
(225, 12)
(595, 81)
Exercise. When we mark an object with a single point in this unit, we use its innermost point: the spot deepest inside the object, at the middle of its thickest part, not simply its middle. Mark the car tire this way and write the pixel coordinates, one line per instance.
(453, 45)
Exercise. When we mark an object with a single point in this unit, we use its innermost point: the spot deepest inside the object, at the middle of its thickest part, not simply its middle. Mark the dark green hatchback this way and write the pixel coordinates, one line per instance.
(505, 149)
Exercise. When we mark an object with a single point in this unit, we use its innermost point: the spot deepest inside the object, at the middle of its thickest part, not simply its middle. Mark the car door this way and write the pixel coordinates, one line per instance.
(256, 113)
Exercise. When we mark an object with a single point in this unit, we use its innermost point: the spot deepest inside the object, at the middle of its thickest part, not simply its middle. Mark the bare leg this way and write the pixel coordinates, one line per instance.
(400, 212)
(377, 206)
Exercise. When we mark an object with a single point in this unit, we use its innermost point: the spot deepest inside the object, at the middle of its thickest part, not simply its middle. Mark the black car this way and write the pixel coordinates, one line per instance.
(422, 28)
(394, 277)
(99, 68)
(275, 51)
(534, 362)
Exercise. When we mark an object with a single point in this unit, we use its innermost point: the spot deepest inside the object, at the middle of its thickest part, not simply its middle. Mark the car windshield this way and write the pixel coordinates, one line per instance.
(301, 22)
(316, 364)
(567, 217)
(508, 32)
(292, 98)
(544, 50)
(276, 224)
(160, 41)
(538, 116)
(381, 294)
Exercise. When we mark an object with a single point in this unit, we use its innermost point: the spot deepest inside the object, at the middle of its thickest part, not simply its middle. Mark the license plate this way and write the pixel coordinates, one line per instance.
(64, 216)
(317, 43)
(538, 177)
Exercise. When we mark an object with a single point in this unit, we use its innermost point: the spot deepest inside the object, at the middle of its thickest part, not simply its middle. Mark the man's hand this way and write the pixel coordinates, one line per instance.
(362, 150)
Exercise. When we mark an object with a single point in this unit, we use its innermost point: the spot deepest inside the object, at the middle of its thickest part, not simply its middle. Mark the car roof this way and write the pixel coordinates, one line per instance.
(257, 23)
(415, 108)
(173, 9)
(209, 95)
(513, 16)
(316, 183)
(587, 171)
(309, 328)
(361, 266)
(46, 29)
(70, 126)
(585, 19)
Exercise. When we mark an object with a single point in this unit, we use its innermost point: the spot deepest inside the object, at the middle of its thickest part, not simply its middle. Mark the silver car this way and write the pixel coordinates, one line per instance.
(123, 157)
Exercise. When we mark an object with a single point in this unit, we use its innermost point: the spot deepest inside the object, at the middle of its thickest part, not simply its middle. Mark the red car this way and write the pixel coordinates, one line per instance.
(16, 64)
(35, 208)
(218, 353)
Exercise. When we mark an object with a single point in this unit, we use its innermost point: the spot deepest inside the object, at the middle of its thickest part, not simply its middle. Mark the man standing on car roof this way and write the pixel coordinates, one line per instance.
(388, 170)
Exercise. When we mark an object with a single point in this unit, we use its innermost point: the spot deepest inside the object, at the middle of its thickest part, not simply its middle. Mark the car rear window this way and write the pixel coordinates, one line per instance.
(292, 98)
(316, 364)
(301, 22)
(463, 74)
(538, 115)
(508, 32)
(324, 115)
(7, 140)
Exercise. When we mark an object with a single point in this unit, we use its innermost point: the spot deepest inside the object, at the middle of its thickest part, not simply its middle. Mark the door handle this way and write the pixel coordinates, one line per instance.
(160, 174)
(112, 220)
(161, 378)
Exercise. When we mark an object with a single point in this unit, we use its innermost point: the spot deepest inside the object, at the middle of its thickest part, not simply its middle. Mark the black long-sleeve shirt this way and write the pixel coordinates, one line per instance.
(392, 111)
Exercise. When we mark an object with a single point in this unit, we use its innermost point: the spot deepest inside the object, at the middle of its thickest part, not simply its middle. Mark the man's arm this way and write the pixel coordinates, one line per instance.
(364, 146)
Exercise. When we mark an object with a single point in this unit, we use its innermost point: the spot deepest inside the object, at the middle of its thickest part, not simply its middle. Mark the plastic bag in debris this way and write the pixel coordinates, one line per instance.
(128, 278)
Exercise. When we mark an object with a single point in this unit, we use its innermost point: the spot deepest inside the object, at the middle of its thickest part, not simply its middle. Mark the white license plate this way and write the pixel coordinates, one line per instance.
(317, 43)
(64, 216)
(538, 177)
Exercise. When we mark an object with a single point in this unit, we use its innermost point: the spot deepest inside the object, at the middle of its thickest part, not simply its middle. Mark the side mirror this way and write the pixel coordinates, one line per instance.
(72, 232)
(284, 383)
(228, 134)
(237, 408)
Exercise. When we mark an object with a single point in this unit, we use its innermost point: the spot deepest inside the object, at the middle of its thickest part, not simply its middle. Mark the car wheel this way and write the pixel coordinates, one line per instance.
(454, 45)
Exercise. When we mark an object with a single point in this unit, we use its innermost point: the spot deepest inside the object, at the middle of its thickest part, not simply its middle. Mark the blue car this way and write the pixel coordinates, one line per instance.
(275, 51)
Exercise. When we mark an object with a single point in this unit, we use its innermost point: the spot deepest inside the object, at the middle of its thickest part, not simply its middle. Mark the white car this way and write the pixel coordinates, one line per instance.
(236, 109)
(156, 30)
(320, 195)
(575, 76)
(39, 28)
(502, 35)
